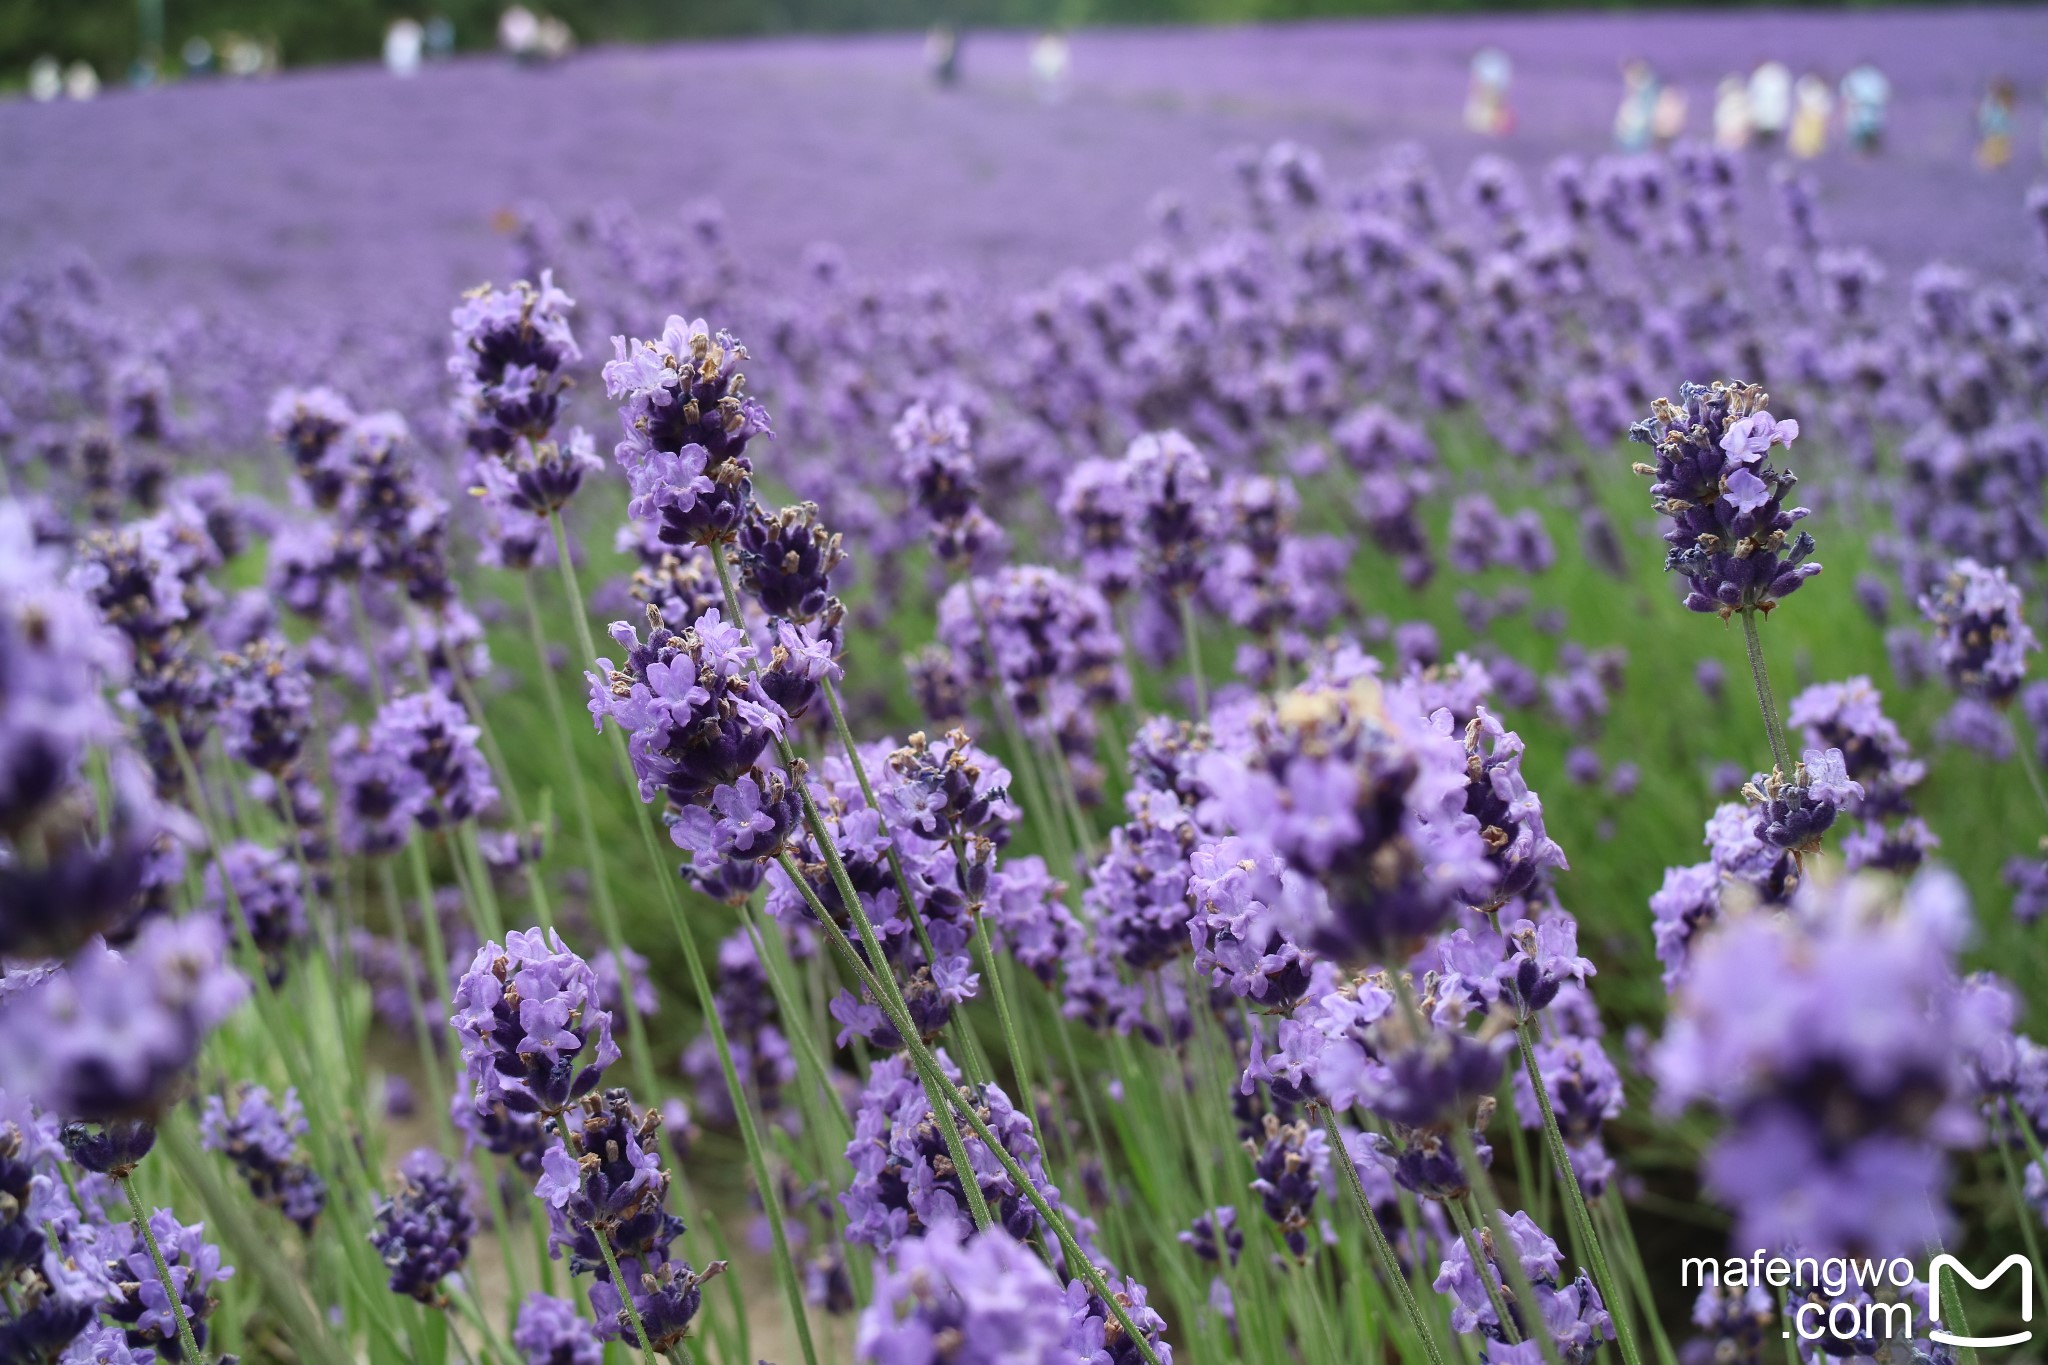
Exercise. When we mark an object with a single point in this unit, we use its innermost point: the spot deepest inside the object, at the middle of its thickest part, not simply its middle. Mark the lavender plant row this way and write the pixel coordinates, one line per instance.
(1029, 880)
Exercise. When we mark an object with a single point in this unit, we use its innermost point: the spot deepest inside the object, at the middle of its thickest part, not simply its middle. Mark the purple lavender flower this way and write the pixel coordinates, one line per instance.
(1101, 513)
(1214, 1235)
(549, 1332)
(1981, 636)
(534, 1036)
(266, 704)
(511, 353)
(607, 1181)
(1833, 1042)
(1849, 717)
(942, 1299)
(1095, 1337)
(904, 1184)
(255, 888)
(2028, 878)
(110, 1035)
(1731, 537)
(787, 559)
(309, 424)
(1361, 793)
(1793, 810)
(141, 1307)
(1510, 816)
(261, 1138)
(1246, 922)
(687, 422)
(1585, 1094)
(935, 459)
(1178, 514)
(1291, 1167)
(423, 1231)
(1576, 1319)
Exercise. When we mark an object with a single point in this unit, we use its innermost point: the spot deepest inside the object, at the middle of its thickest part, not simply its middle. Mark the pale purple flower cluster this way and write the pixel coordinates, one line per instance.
(942, 1300)
(698, 721)
(1834, 1042)
(1570, 1310)
(422, 1232)
(534, 1036)
(257, 890)
(1396, 463)
(1981, 635)
(139, 1305)
(549, 1332)
(1731, 535)
(760, 1052)
(261, 1137)
(111, 1034)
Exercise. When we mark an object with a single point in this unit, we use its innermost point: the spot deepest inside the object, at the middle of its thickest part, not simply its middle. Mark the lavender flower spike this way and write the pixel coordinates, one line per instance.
(534, 1036)
(1731, 535)
(974, 1302)
(1981, 634)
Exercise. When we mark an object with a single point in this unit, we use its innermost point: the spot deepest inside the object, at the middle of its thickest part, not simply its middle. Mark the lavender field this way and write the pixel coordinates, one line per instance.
(711, 703)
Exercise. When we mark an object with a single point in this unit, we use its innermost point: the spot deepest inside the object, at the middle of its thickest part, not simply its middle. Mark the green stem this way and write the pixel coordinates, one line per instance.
(2024, 1211)
(611, 1264)
(1760, 674)
(928, 1067)
(163, 1271)
(1510, 1257)
(1575, 1199)
(579, 792)
(1382, 1249)
(1194, 649)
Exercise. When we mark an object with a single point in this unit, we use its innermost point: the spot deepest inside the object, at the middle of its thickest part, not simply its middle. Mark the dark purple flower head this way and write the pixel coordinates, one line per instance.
(1248, 915)
(1051, 644)
(261, 1137)
(608, 1181)
(422, 1232)
(534, 1036)
(511, 353)
(1094, 1335)
(687, 422)
(1510, 816)
(1214, 1235)
(942, 1300)
(1849, 717)
(266, 705)
(114, 1148)
(786, 560)
(309, 424)
(948, 789)
(1981, 636)
(1290, 1167)
(1731, 535)
(1793, 810)
(551, 1332)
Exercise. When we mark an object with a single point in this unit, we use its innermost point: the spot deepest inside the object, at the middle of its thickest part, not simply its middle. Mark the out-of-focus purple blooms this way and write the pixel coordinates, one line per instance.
(1978, 725)
(1051, 645)
(266, 705)
(935, 456)
(1875, 597)
(1571, 1311)
(261, 1138)
(550, 1332)
(1834, 1043)
(1360, 792)
(1101, 512)
(1981, 636)
(309, 424)
(110, 1034)
(511, 352)
(1178, 510)
(1585, 1093)
(1731, 537)
(942, 1299)
(1290, 1167)
(1214, 1235)
(423, 1230)
(534, 1037)
(1247, 917)
(1582, 765)
(1912, 655)
(1849, 717)
(417, 764)
(1711, 678)
(687, 422)
(612, 993)
(256, 890)
(1689, 900)
(2028, 878)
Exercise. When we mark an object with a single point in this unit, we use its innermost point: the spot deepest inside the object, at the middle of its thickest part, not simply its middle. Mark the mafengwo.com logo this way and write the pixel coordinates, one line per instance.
(1855, 1299)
